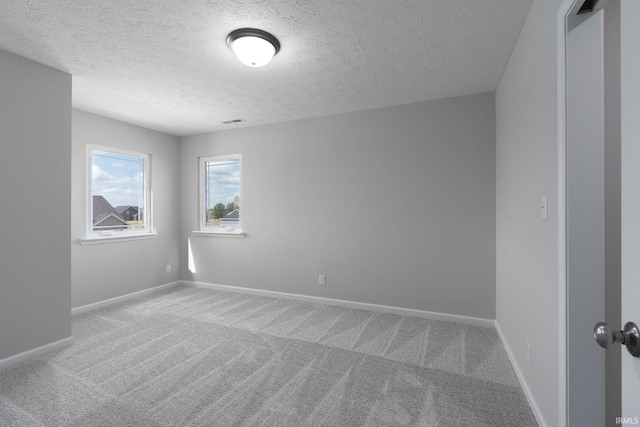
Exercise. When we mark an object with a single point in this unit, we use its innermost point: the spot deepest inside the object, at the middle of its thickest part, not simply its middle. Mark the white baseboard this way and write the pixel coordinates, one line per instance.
(35, 352)
(83, 308)
(475, 321)
(523, 382)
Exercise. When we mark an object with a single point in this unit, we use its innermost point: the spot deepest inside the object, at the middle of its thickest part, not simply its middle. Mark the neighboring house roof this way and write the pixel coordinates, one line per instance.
(121, 209)
(233, 215)
(111, 221)
(103, 210)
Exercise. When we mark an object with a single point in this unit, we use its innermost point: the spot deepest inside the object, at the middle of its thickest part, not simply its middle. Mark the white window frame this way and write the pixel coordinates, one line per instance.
(104, 236)
(203, 228)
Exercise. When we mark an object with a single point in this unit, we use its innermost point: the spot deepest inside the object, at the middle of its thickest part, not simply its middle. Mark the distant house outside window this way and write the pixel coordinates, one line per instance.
(220, 193)
(119, 192)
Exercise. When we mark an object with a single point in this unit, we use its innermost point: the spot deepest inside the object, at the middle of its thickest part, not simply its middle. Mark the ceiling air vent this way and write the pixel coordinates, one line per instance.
(228, 122)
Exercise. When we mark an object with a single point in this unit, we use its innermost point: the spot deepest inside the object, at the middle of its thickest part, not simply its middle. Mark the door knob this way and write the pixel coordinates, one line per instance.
(629, 337)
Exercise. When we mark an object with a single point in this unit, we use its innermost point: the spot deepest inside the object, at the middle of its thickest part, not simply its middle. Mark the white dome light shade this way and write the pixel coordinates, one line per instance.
(252, 47)
(253, 51)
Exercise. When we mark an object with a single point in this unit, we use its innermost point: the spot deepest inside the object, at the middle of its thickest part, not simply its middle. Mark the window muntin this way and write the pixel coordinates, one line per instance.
(220, 194)
(119, 192)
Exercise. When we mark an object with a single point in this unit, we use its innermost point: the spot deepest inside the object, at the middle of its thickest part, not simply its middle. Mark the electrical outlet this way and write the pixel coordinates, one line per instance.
(528, 353)
(322, 280)
(168, 268)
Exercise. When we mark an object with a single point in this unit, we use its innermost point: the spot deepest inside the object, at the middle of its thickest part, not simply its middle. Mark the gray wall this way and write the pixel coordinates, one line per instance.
(108, 270)
(35, 188)
(526, 170)
(396, 206)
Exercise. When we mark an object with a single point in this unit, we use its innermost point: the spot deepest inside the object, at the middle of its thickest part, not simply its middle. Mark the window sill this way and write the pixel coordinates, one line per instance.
(113, 239)
(201, 233)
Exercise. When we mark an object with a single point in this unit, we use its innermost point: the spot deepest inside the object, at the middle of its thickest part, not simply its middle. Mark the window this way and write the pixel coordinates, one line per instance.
(220, 196)
(119, 193)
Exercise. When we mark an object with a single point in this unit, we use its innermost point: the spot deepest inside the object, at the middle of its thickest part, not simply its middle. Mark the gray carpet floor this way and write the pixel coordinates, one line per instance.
(196, 357)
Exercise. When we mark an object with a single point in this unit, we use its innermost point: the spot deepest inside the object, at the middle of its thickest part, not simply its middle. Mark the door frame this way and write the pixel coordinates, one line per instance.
(563, 25)
(561, 31)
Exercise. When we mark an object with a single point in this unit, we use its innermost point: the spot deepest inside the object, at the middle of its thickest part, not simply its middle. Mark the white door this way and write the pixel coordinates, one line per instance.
(630, 147)
(585, 204)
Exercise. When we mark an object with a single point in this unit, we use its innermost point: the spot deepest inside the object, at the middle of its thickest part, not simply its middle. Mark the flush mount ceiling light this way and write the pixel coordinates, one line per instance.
(252, 47)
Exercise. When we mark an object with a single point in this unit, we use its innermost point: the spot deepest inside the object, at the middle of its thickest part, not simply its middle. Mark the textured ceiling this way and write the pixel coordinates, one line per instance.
(164, 64)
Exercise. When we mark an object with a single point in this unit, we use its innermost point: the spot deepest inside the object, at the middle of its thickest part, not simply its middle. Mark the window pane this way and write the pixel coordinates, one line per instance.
(118, 191)
(222, 193)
